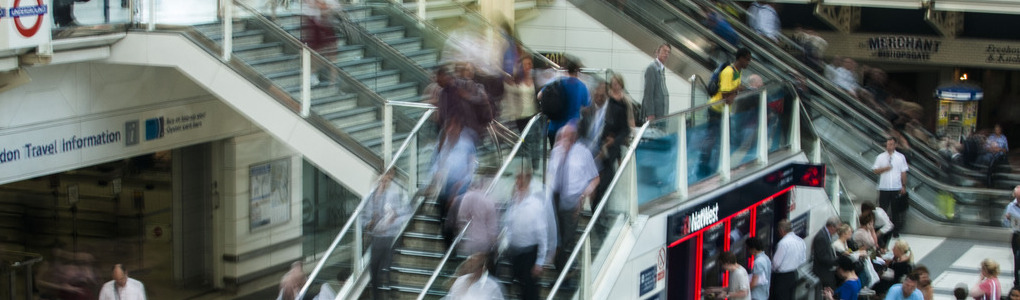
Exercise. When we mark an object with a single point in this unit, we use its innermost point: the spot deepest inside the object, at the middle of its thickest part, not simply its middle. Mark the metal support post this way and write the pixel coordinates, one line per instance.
(795, 125)
(763, 134)
(387, 128)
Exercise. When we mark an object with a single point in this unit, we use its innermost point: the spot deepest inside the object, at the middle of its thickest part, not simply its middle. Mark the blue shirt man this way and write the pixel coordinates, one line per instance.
(906, 290)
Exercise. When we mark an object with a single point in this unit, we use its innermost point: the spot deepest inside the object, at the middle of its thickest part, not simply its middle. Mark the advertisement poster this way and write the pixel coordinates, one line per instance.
(270, 193)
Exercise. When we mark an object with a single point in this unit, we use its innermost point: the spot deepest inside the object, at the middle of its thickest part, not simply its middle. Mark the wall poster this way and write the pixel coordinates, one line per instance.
(270, 193)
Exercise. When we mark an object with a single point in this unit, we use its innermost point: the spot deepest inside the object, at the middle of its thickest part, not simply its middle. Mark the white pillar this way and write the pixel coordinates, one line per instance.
(306, 82)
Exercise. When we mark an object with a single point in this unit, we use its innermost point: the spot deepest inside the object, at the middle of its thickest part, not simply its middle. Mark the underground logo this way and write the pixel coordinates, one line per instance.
(17, 12)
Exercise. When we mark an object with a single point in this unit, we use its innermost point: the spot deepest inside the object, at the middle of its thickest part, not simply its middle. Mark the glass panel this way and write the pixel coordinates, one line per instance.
(703, 144)
(180, 12)
(67, 13)
(779, 110)
(570, 284)
(610, 222)
(744, 128)
(656, 158)
(327, 205)
(529, 155)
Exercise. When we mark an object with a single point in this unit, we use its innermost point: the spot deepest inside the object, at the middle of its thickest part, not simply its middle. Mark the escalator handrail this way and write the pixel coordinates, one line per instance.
(792, 63)
(773, 59)
(598, 210)
(356, 214)
(938, 185)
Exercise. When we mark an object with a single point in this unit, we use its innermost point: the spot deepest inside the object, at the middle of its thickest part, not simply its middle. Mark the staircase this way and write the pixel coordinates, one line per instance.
(358, 60)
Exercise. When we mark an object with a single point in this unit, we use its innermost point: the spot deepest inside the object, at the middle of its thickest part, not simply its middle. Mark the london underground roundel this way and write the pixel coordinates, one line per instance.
(17, 12)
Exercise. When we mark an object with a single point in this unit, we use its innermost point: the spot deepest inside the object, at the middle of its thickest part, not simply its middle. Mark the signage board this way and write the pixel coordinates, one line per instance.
(646, 281)
(25, 23)
(31, 151)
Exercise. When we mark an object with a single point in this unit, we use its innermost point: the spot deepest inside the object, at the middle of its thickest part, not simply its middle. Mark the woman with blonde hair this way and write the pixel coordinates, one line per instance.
(901, 263)
(988, 287)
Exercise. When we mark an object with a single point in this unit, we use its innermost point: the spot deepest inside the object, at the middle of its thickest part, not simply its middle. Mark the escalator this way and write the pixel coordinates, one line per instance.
(848, 130)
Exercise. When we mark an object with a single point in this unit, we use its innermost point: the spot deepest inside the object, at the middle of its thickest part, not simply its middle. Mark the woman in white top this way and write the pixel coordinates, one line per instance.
(519, 101)
(840, 245)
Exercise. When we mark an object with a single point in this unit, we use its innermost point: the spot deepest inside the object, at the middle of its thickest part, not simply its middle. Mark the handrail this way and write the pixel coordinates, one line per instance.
(357, 210)
(23, 258)
(823, 88)
(293, 41)
(598, 210)
(414, 131)
(442, 262)
(410, 104)
(513, 152)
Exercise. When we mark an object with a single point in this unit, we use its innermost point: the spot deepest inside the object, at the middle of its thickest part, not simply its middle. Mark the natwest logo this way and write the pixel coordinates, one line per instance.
(701, 218)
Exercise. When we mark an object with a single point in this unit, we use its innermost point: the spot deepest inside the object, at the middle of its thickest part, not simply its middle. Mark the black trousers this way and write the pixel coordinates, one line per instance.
(895, 206)
(380, 262)
(784, 285)
(523, 260)
(567, 230)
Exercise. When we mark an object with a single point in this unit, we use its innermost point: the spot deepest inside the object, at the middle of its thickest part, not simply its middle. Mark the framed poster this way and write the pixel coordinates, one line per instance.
(269, 189)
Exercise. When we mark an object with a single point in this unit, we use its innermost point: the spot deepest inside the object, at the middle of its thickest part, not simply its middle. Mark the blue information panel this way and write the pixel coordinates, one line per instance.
(646, 281)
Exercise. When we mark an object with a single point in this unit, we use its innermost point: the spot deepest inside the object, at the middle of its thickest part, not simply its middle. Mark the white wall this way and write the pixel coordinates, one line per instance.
(562, 27)
(65, 91)
(238, 154)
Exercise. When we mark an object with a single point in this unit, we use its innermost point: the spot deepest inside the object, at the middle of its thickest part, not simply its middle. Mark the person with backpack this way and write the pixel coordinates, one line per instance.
(723, 86)
(561, 100)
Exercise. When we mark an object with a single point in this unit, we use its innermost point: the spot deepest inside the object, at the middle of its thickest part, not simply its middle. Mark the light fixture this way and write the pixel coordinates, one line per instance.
(964, 77)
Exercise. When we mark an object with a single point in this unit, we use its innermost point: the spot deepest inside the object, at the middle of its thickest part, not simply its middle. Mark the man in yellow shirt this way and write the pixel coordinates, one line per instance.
(729, 86)
(729, 80)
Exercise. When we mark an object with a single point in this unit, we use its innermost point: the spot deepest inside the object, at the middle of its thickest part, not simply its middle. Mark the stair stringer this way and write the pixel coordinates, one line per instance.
(210, 72)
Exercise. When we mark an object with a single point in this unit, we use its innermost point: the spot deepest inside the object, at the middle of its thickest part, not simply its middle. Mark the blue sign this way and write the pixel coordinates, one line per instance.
(646, 281)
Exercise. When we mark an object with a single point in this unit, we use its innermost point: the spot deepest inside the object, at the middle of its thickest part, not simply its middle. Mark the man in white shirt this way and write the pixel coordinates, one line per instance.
(892, 183)
(527, 236)
(122, 287)
(791, 253)
(572, 177)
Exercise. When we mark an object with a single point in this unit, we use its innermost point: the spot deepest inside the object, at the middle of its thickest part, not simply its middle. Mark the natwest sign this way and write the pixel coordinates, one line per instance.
(700, 218)
(24, 23)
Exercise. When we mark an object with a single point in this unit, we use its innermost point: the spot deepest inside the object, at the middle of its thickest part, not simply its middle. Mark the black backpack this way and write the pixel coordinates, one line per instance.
(713, 82)
(553, 100)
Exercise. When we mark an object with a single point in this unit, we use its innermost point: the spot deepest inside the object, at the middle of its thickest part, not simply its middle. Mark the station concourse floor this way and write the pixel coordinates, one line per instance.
(954, 261)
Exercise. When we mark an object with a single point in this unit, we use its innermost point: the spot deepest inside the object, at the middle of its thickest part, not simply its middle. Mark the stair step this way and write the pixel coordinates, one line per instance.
(345, 53)
(379, 79)
(332, 104)
(372, 22)
(212, 29)
(406, 44)
(275, 64)
(423, 241)
(361, 66)
(398, 91)
(240, 38)
(424, 56)
(352, 117)
(365, 131)
(260, 51)
(389, 33)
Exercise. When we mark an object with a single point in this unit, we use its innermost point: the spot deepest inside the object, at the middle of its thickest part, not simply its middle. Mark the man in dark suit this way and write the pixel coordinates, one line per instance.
(654, 103)
(823, 257)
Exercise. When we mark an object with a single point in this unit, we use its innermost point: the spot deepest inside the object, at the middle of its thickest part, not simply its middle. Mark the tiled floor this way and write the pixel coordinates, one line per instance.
(954, 261)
